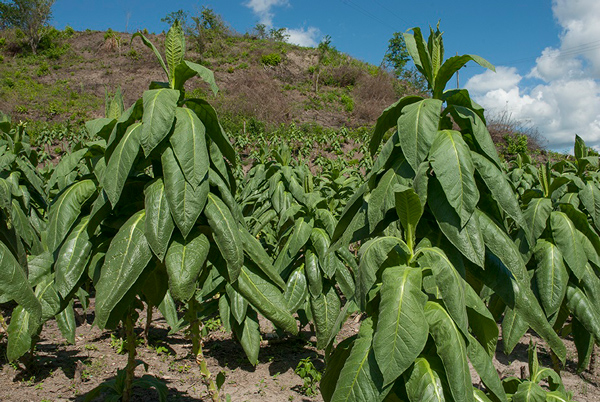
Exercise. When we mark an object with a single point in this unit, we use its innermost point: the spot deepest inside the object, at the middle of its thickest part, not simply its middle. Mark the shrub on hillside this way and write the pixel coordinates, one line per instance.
(272, 59)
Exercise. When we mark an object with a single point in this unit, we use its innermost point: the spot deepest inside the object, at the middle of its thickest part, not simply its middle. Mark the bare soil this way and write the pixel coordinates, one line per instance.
(61, 372)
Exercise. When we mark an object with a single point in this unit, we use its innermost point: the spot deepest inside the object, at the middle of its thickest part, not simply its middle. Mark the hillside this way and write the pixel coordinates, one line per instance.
(263, 83)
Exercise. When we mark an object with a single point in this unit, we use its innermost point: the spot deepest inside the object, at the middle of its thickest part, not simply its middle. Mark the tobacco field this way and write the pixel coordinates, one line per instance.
(149, 263)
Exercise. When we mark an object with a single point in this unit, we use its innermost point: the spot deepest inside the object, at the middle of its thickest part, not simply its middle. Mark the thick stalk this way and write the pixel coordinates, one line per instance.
(197, 351)
(131, 352)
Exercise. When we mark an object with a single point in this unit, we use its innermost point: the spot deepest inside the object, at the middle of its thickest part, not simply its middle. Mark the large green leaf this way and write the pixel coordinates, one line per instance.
(503, 247)
(184, 261)
(65, 211)
(260, 257)
(313, 274)
(248, 334)
(500, 189)
(14, 284)
(566, 239)
(381, 198)
(529, 391)
(372, 255)
(186, 70)
(226, 235)
(265, 297)
(536, 215)
(417, 129)
(159, 223)
(551, 276)
(514, 326)
(120, 163)
(126, 258)
(389, 119)
(335, 364)
(520, 297)
(468, 239)
(300, 235)
(214, 130)
(19, 333)
(189, 144)
(471, 118)
(451, 348)
(450, 284)
(185, 201)
(402, 329)
(451, 160)
(360, 379)
(424, 383)
(159, 113)
(154, 49)
(325, 309)
(72, 258)
(583, 310)
(65, 321)
(590, 197)
(296, 290)
(451, 66)
(482, 363)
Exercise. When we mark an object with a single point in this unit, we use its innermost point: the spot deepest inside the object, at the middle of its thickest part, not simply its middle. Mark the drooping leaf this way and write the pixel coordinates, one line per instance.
(451, 348)
(72, 258)
(325, 309)
(296, 290)
(159, 224)
(484, 365)
(450, 284)
(127, 256)
(451, 160)
(451, 66)
(265, 297)
(19, 333)
(468, 239)
(551, 276)
(583, 310)
(417, 129)
(566, 239)
(189, 145)
(249, 335)
(424, 383)
(120, 163)
(226, 235)
(65, 211)
(207, 114)
(66, 323)
(402, 329)
(184, 261)
(186, 70)
(372, 256)
(360, 379)
(536, 215)
(185, 201)
(514, 326)
(389, 119)
(159, 113)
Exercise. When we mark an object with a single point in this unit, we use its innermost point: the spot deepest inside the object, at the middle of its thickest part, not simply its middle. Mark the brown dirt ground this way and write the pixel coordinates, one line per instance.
(63, 372)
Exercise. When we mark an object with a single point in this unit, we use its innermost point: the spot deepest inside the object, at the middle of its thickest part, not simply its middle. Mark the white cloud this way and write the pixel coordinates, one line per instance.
(504, 78)
(303, 36)
(262, 8)
(567, 101)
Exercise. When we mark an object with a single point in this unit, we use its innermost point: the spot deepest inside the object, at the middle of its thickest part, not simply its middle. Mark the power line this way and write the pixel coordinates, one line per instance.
(562, 53)
(390, 11)
(365, 12)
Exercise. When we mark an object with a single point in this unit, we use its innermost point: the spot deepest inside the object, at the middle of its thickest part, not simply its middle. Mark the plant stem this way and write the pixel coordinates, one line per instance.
(131, 352)
(197, 351)
(149, 309)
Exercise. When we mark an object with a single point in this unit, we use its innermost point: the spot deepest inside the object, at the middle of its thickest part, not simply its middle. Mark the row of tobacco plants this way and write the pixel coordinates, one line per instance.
(436, 246)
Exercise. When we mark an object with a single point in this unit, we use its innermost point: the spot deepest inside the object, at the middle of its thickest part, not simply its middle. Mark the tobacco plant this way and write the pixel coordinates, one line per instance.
(433, 220)
(157, 209)
(562, 209)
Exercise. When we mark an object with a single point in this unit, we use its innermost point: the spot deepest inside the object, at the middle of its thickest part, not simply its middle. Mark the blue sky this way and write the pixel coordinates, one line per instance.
(545, 51)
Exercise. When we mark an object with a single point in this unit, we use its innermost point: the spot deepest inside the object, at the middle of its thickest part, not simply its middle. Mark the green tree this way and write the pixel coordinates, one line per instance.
(30, 16)
(396, 55)
(179, 15)
(207, 27)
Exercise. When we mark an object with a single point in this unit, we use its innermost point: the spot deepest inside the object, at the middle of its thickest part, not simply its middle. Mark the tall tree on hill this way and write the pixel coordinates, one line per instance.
(30, 16)
(396, 55)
